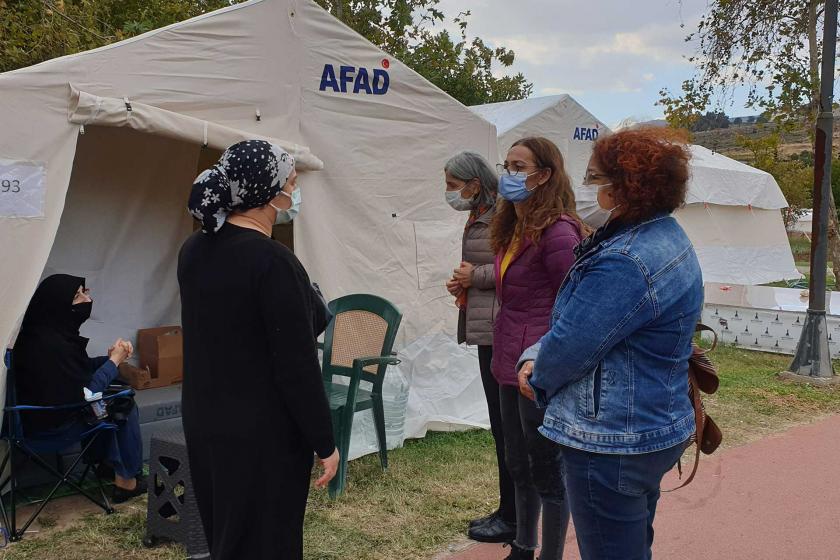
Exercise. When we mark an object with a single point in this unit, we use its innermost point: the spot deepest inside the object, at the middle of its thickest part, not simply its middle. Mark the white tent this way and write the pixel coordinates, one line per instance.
(732, 213)
(559, 118)
(100, 149)
(804, 224)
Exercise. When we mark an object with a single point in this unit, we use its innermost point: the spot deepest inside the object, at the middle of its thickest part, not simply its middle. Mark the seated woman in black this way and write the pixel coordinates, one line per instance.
(52, 368)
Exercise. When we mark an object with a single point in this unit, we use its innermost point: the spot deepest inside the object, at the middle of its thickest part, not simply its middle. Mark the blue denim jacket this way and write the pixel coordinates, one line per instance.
(613, 369)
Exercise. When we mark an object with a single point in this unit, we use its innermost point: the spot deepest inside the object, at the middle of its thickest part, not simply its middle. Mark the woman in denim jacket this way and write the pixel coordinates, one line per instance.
(613, 368)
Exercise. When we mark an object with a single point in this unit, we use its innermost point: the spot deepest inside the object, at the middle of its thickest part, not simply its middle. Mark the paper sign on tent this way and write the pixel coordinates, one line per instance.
(21, 189)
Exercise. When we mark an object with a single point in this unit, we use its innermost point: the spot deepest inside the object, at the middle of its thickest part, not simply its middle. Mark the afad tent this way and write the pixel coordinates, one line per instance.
(99, 149)
(559, 118)
(732, 212)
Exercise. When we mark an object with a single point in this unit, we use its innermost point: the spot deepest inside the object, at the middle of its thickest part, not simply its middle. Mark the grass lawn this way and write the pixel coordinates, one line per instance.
(800, 246)
(435, 485)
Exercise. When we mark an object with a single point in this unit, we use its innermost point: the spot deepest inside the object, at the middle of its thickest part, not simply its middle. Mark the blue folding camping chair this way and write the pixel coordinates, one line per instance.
(35, 446)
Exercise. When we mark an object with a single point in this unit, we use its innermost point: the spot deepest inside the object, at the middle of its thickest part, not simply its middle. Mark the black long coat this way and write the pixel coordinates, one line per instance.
(254, 407)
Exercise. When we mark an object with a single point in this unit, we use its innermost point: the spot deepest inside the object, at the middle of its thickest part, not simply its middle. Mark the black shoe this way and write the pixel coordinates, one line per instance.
(517, 553)
(493, 531)
(121, 495)
(482, 520)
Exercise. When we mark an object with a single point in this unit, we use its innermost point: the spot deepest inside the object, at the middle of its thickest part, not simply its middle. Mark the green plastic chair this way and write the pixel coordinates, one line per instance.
(358, 344)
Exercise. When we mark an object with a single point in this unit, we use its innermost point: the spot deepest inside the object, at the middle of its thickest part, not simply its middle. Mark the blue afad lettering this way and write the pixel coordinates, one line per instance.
(585, 134)
(350, 79)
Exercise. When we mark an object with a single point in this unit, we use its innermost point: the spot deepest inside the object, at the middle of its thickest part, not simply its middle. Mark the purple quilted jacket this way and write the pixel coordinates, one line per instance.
(527, 294)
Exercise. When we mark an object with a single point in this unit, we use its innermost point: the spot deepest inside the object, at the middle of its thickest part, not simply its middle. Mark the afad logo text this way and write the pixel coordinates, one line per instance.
(582, 133)
(349, 79)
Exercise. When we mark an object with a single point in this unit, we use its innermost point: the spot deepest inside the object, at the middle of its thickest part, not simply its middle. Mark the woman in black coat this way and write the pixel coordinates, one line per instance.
(254, 407)
(52, 368)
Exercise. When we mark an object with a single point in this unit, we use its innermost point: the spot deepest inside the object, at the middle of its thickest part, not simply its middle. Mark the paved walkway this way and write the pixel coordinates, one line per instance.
(778, 498)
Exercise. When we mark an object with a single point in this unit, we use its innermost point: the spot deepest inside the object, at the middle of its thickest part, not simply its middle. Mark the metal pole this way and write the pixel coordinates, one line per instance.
(812, 361)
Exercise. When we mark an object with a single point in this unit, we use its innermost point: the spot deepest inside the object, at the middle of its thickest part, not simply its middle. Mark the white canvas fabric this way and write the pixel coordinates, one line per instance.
(732, 210)
(559, 118)
(717, 179)
(373, 219)
(805, 223)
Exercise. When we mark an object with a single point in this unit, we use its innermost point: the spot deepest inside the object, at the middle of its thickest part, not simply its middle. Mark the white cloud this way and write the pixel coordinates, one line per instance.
(611, 53)
(560, 91)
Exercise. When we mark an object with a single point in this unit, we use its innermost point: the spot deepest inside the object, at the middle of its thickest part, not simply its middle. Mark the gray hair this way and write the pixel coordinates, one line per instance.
(470, 165)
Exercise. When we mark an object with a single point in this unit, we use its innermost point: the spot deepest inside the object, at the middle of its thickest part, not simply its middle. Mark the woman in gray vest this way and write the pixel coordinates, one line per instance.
(471, 186)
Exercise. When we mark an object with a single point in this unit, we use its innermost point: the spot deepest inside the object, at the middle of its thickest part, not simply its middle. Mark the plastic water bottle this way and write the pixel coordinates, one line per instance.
(96, 404)
(394, 402)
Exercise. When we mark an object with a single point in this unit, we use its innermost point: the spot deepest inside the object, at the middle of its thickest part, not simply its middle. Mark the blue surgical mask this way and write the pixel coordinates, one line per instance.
(512, 186)
(286, 216)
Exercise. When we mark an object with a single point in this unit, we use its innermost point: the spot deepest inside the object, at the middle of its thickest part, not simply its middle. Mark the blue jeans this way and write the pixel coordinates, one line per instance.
(613, 500)
(122, 448)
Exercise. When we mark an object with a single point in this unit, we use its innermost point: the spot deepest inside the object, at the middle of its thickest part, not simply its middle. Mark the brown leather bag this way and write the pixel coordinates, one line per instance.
(702, 378)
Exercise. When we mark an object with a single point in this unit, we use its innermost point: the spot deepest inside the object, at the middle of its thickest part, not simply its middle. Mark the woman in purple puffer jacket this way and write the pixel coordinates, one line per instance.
(533, 233)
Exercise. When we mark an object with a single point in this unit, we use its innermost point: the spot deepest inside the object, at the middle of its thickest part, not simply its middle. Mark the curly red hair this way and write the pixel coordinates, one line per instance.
(648, 169)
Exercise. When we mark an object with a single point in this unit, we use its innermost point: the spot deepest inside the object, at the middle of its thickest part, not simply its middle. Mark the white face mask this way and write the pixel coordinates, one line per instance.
(286, 216)
(454, 199)
(588, 208)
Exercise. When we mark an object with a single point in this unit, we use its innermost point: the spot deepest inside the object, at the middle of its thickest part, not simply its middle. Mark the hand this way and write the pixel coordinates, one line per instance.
(524, 375)
(454, 287)
(463, 274)
(330, 466)
(120, 351)
(128, 346)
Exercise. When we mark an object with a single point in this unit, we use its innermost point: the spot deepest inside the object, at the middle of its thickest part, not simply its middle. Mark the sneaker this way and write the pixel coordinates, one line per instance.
(495, 530)
(483, 520)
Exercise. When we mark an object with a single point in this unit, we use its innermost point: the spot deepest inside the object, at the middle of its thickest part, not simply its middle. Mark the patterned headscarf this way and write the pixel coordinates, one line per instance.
(249, 174)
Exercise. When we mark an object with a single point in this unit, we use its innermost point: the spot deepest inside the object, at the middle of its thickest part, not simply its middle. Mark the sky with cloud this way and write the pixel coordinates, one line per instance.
(613, 56)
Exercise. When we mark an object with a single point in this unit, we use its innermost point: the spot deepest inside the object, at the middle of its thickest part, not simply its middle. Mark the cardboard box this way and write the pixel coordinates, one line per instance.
(138, 378)
(161, 352)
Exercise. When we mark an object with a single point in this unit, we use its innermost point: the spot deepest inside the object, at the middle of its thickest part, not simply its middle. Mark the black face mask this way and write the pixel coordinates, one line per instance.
(81, 312)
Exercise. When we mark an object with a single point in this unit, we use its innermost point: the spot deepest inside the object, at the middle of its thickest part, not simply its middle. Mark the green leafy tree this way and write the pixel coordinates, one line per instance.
(794, 175)
(712, 120)
(32, 31)
(460, 66)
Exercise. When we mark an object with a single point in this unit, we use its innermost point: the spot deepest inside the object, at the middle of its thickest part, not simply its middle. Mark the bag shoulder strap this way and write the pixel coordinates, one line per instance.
(700, 327)
(699, 424)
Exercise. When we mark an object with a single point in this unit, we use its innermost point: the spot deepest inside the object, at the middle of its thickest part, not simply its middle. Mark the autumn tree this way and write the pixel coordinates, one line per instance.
(770, 47)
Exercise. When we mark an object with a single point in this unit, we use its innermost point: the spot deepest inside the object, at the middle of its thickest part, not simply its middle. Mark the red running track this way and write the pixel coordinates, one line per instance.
(777, 498)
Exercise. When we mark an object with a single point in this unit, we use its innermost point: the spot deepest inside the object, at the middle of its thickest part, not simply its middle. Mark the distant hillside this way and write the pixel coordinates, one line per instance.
(725, 140)
(631, 122)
